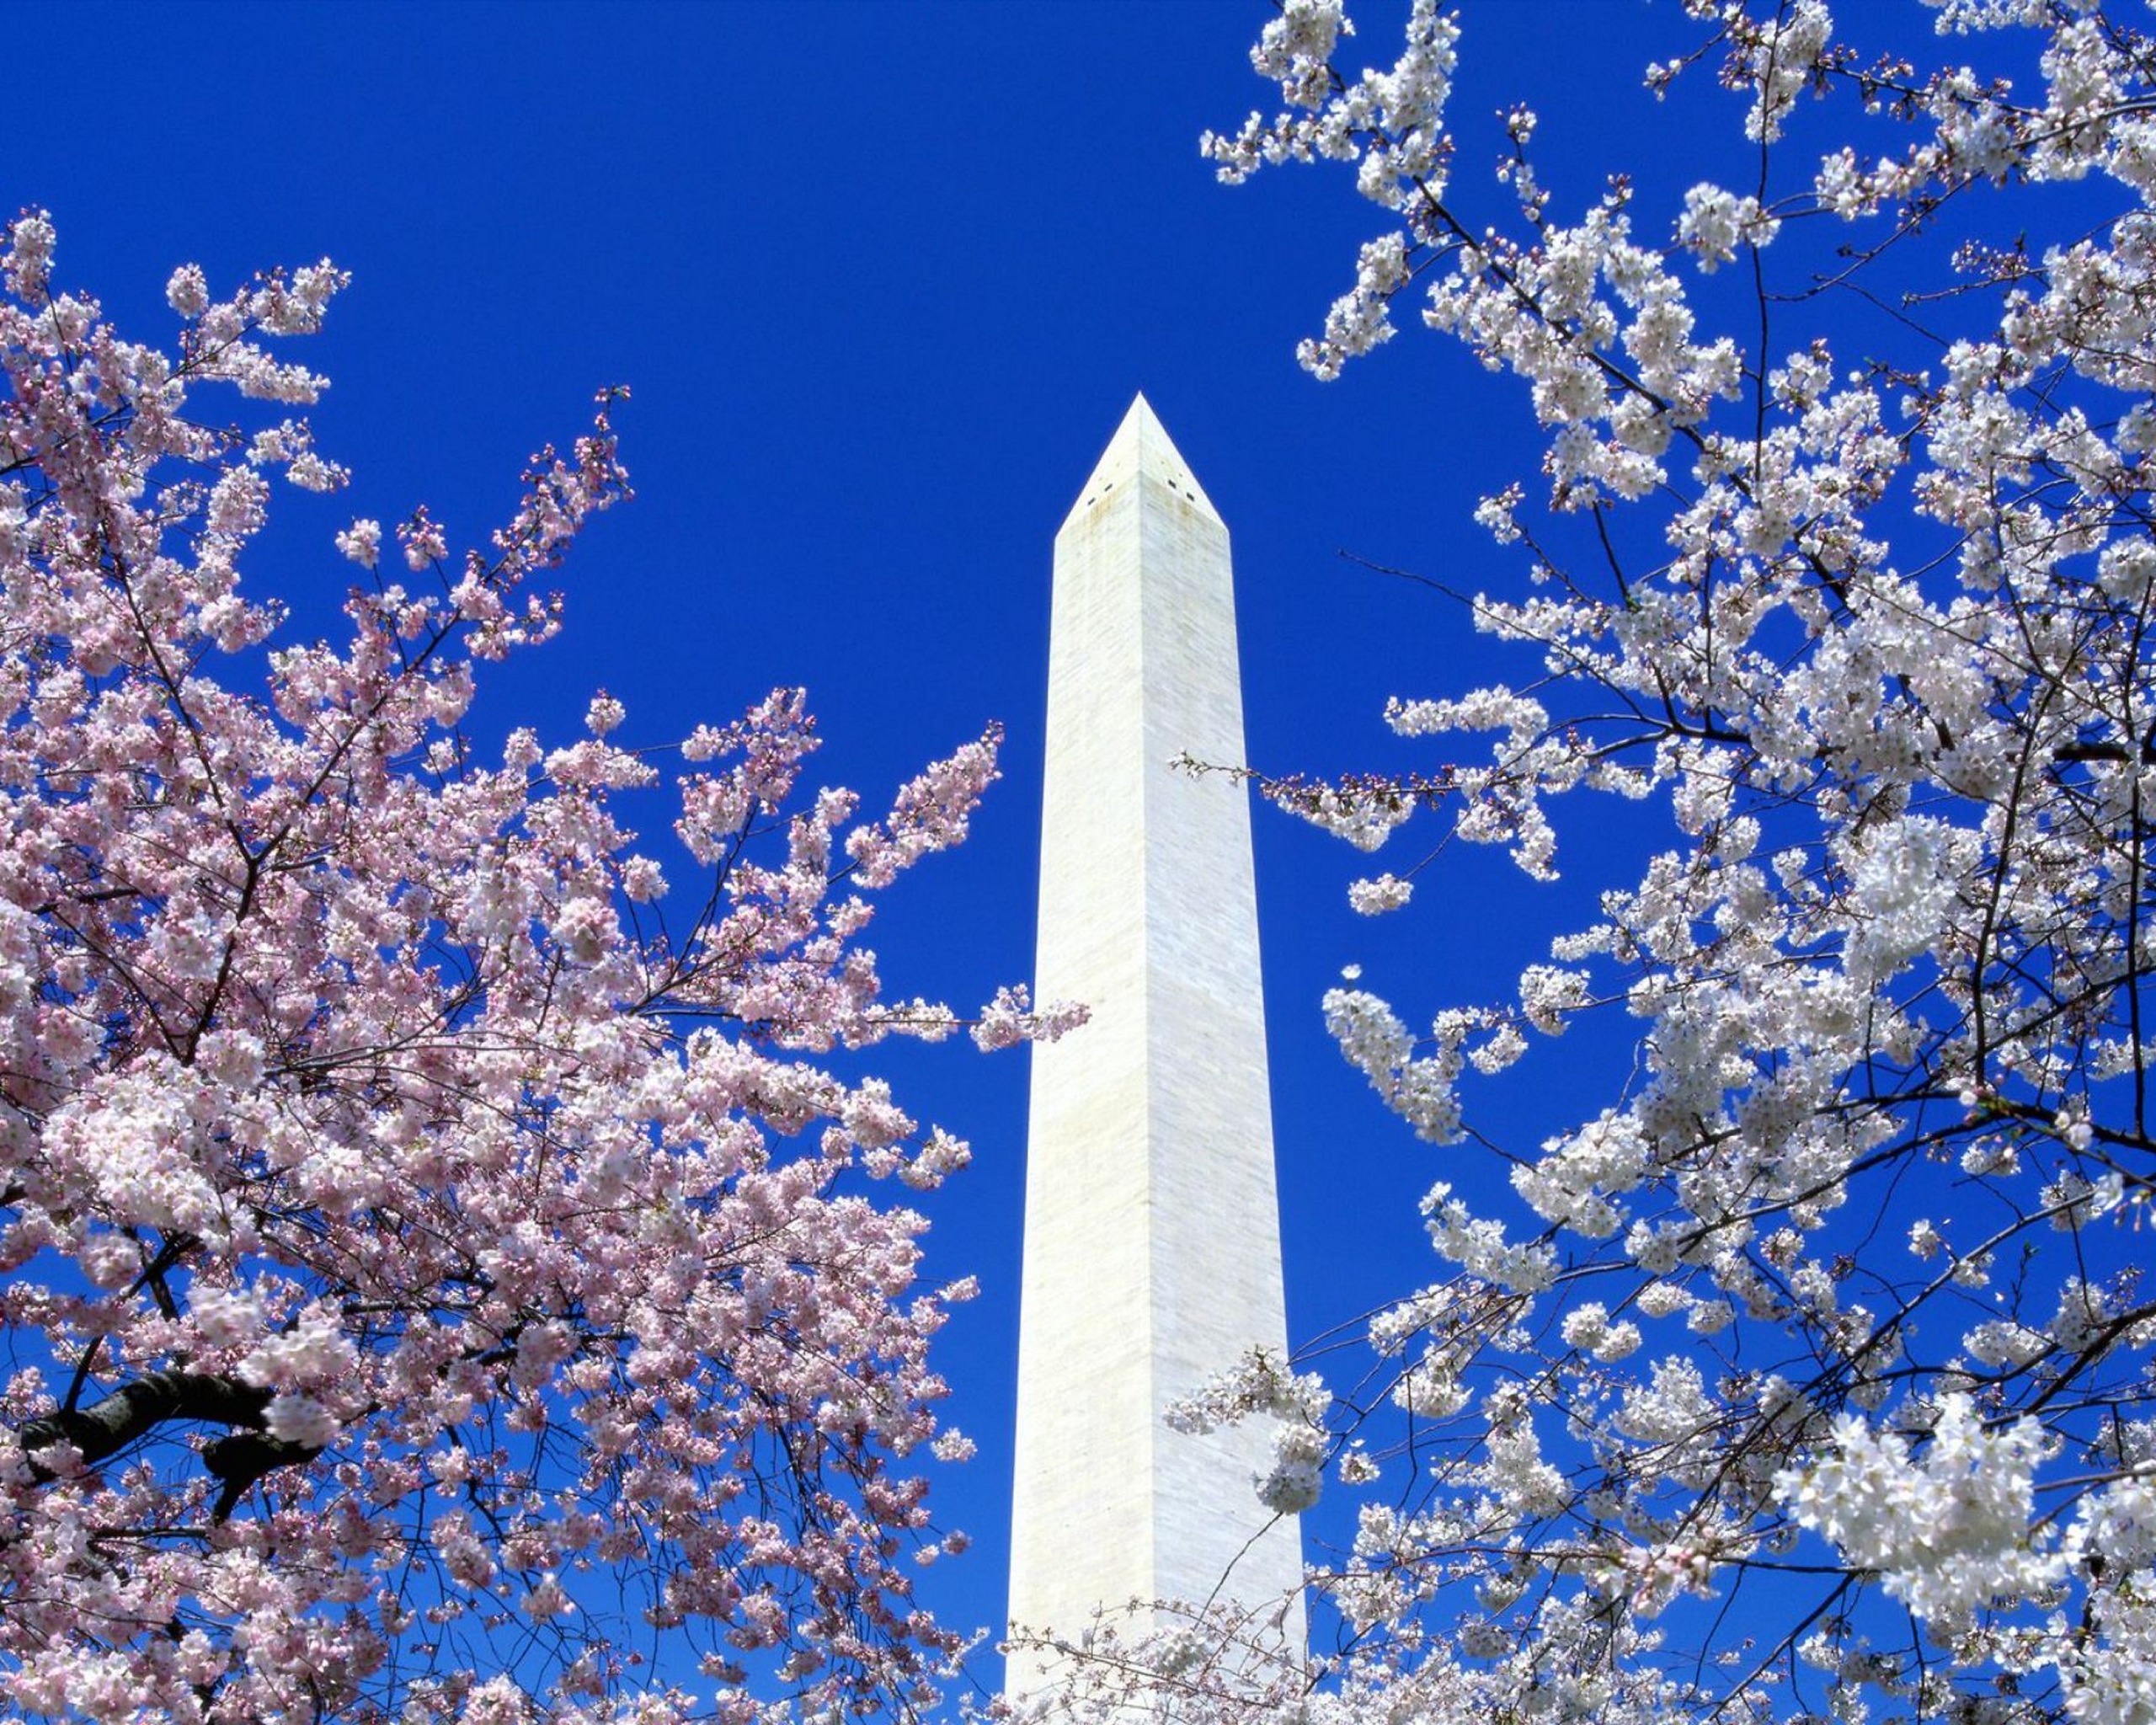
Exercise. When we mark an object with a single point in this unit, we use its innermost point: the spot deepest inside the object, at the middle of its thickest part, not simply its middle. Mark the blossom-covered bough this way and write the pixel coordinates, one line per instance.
(1813, 1376)
(439, 1285)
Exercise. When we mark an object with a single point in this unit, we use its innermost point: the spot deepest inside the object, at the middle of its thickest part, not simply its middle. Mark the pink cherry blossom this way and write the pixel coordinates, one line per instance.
(421, 1288)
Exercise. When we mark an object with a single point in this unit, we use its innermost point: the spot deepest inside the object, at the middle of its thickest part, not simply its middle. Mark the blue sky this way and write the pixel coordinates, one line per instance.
(883, 278)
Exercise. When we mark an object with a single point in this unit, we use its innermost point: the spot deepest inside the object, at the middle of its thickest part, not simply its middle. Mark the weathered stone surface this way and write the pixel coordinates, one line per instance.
(1152, 1251)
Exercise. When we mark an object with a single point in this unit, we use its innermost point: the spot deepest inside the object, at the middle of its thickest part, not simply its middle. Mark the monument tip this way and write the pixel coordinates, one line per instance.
(1141, 447)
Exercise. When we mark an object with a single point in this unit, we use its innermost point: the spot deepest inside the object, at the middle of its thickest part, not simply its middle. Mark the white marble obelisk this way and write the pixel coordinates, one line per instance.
(1152, 1248)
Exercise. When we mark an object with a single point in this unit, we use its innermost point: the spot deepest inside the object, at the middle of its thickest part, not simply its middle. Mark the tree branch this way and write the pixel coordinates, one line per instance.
(109, 1425)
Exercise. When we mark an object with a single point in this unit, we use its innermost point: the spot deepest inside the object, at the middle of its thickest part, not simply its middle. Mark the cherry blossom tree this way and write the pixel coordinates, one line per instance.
(442, 1281)
(1812, 1375)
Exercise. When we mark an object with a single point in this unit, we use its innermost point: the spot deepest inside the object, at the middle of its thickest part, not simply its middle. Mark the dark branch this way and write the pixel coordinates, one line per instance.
(242, 1458)
(110, 1424)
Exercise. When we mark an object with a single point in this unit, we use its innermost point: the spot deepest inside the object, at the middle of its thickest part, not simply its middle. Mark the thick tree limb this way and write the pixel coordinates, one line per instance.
(243, 1458)
(136, 1409)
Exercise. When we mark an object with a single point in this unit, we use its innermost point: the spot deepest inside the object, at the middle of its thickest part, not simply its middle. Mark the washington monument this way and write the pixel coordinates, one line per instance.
(1152, 1246)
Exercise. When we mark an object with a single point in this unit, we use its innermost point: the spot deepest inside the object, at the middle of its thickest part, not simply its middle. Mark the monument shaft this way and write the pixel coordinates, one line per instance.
(1152, 1251)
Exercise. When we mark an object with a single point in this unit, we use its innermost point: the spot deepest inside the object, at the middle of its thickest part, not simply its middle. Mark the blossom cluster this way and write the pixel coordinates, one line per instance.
(435, 1261)
(1813, 1374)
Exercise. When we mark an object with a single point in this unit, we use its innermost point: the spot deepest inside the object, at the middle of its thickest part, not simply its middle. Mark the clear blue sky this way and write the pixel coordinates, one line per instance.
(883, 280)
